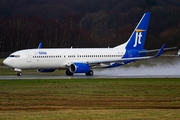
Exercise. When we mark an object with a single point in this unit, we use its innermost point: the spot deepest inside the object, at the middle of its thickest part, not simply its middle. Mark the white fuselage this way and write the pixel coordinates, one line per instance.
(60, 58)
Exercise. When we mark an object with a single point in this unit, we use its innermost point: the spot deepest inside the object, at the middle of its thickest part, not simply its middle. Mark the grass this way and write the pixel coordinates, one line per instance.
(90, 99)
(1, 62)
(85, 99)
(125, 114)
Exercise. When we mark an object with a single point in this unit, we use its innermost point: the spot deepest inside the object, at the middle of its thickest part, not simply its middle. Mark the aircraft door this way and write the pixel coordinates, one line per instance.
(28, 57)
(77, 57)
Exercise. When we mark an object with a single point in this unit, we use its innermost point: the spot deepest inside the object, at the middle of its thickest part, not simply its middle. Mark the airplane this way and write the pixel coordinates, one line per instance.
(84, 60)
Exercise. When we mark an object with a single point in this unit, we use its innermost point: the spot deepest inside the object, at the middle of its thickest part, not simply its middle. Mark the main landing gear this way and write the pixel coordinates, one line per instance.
(90, 73)
(69, 73)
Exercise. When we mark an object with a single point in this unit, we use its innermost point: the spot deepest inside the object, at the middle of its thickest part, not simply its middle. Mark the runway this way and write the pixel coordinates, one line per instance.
(40, 77)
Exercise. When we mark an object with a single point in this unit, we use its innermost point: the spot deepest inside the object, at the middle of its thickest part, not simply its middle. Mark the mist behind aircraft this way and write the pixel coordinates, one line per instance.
(159, 66)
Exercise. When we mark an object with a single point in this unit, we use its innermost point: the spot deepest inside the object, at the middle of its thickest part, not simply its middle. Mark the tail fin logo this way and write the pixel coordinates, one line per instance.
(138, 37)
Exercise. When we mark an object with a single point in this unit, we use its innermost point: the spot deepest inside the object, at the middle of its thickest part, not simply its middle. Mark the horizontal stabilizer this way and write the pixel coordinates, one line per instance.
(155, 50)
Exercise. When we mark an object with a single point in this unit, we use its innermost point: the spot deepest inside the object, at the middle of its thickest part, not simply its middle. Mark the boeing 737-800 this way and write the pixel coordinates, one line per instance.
(83, 60)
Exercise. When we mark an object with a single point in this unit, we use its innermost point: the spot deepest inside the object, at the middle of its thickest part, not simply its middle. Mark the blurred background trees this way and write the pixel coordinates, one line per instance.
(85, 23)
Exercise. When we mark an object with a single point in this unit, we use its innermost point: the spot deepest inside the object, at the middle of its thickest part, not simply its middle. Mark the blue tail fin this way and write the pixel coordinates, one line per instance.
(138, 37)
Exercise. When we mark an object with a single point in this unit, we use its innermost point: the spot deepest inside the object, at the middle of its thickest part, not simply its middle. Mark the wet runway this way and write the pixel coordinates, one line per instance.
(26, 77)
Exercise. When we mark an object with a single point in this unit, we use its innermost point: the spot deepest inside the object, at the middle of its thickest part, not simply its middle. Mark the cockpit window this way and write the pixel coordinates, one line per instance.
(14, 56)
(11, 56)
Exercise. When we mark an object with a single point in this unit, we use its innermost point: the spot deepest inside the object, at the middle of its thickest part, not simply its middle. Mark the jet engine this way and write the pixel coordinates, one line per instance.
(79, 68)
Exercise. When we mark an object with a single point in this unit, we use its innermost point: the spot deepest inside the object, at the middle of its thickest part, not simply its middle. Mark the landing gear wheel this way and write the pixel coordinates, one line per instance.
(90, 73)
(19, 74)
(69, 73)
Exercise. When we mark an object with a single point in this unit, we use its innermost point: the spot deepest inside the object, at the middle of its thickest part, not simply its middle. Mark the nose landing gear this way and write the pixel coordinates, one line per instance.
(19, 74)
(18, 70)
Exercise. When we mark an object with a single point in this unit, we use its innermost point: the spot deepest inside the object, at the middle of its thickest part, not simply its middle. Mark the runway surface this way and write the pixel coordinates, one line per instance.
(83, 76)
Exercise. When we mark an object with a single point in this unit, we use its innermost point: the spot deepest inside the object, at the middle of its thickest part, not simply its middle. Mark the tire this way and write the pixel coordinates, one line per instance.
(90, 73)
(68, 73)
(19, 74)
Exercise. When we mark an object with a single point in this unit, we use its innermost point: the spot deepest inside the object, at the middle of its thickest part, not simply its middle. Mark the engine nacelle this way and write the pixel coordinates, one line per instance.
(46, 70)
(79, 68)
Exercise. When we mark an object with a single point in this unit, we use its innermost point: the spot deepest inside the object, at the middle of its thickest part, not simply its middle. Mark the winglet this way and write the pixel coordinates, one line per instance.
(160, 51)
(40, 45)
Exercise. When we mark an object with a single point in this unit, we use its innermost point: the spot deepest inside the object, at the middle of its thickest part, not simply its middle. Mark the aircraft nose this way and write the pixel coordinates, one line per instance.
(6, 62)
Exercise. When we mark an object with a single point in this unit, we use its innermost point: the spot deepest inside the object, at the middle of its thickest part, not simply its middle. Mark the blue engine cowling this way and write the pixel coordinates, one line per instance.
(79, 68)
(46, 70)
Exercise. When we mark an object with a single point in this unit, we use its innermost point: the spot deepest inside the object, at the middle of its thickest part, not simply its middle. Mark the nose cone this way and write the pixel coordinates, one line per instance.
(7, 62)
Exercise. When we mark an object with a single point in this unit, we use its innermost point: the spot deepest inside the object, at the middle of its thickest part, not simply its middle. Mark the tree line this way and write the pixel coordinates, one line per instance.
(85, 23)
